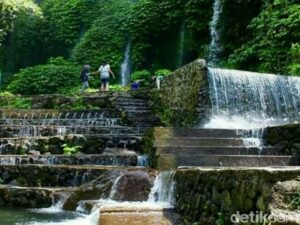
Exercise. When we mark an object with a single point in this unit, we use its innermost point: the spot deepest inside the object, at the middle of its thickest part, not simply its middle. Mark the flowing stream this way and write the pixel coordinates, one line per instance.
(214, 47)
(125, 66)
(160, 197)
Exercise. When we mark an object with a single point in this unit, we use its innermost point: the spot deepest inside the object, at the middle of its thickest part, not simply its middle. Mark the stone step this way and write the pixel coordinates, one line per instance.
(62, 122)
(133, 111)
(174, 161)
(218, 150)
(120, 103)
(94, 144)
(102, 160)
(66, 114)
(130, 99)
(125, 108)
(204, 133)
(193, 142)
(58, 175)
(137, 214)
(45, 130)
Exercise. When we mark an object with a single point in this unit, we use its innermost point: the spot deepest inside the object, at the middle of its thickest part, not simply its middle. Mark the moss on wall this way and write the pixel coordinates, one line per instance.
(183, 99)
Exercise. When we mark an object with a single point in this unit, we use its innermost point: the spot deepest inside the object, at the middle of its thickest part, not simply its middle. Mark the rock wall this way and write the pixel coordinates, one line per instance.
(184, 96)
(211, 196)
(285, 137)
(49, 176)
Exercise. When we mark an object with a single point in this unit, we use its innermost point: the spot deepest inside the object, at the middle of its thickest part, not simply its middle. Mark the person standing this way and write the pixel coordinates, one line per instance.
(105, 72)
(84, 76)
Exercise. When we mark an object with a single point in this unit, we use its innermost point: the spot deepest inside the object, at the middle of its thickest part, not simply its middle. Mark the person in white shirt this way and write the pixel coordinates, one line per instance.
(105, 72)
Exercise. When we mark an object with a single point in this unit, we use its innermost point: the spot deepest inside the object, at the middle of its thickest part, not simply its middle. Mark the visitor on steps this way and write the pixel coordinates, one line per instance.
(105, 72)
(84, 76)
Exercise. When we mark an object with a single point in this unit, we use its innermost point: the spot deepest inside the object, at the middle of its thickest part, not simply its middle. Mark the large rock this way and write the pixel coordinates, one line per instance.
(133, 186)
(51, 101)
(26, 197)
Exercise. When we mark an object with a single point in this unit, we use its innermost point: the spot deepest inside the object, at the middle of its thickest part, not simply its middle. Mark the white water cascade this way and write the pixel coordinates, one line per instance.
(214, 47)
(160, 197)
(247, 100)
(181, 45)
(162, 190)
(126, 65)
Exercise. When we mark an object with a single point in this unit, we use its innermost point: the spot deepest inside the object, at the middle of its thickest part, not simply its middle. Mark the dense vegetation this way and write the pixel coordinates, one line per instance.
(164, 34)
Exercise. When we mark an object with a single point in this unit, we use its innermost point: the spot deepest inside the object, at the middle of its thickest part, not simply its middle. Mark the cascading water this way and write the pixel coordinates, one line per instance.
(247, 100)
(162, 190)
(181, 45)
(214, 47)
(125, 66)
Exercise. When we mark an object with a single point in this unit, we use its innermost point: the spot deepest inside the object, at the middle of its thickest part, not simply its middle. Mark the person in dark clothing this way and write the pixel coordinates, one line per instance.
(84, 76)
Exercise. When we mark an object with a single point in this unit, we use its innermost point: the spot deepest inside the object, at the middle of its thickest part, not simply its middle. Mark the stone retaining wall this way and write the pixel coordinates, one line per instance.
(211, 196)
(286, 137)
(51, 176)
(184, 96)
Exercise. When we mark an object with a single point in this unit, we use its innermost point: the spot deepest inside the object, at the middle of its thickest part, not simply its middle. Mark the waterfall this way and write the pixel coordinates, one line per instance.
(113, 190)
(162, 190)
(181, 45)
(247, 100)
(214, 47)
(143, 160)
(125, 66)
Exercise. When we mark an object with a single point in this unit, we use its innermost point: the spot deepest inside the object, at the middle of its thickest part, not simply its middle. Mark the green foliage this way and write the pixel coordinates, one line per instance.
(163, 72)
(8, 13)
(105, 41)
(45, 79)
(141, 75)
(118, 87)
(21, 47)
(8, 100)
(144, 76)
(70, 149)
(64, 24)
(274, 31)
(295, 66)
(295, 203)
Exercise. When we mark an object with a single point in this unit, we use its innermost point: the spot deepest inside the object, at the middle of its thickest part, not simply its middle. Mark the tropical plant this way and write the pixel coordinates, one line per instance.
(274, 31)
(45, 79)
(70, 149)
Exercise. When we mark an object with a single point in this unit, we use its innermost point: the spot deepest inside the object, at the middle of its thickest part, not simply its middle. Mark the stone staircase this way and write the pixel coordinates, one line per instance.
(137, 110)
(35, 172)
(177, 147)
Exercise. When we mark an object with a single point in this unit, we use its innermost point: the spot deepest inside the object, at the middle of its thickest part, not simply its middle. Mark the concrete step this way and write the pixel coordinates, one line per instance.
(58, 175)
(218, 150)
(126, 108)
(121, 103)
(132, 111)
(101, 160)
(136, 214)
(174, 161)
(45, 130)
(62, 122)
(193, 142)
(204, 133)
(65, 114)
(129, 99)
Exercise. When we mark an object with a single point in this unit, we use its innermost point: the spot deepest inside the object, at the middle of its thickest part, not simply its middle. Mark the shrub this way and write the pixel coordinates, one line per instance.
(163, 72)
(45, 79)
(8, 100)
(143, 75)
